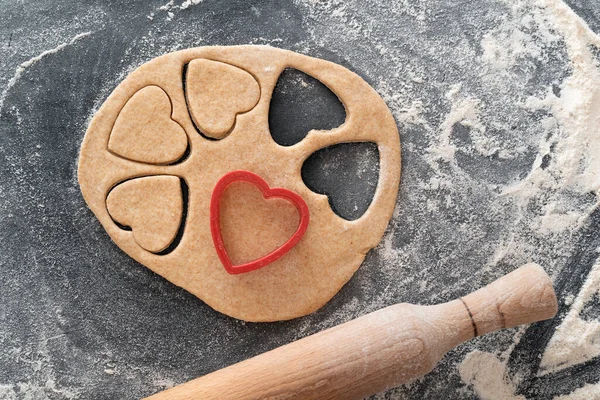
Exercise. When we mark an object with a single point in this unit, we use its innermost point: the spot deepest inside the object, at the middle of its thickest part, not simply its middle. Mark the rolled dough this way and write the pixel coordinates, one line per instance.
(124, 142)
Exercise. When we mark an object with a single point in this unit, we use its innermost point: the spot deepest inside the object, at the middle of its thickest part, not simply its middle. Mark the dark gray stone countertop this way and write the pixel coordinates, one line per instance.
(79, 319)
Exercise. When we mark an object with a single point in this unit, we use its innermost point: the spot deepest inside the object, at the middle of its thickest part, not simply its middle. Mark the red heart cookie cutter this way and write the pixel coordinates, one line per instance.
(267, 192)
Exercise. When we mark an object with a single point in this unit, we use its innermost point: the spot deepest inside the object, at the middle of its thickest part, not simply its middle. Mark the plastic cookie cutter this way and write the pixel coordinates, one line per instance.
(267, 192)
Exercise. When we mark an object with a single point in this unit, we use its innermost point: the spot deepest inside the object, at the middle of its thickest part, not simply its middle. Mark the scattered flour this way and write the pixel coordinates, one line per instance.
(26, 391)
(188, 3)
(574, 167)
(7, 392)
(21, 68)
(170, 8)
(464, 111)
(487, 375)
(588, 392)
(576, 340)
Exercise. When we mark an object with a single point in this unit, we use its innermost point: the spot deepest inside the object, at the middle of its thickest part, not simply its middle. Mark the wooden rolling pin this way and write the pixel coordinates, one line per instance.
(380, 350)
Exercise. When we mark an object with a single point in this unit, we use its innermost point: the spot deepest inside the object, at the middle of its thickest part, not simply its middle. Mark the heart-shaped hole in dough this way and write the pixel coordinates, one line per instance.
(299, 104)
(216, 93)
(152, 207)
(347, 173)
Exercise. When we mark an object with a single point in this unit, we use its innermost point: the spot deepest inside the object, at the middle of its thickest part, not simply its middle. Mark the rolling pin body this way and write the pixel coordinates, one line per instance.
(380, 350)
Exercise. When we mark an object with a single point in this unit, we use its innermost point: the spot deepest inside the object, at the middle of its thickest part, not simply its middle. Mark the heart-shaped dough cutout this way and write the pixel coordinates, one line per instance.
(151, 206)
(251, 225)
(216, 93)
(144, 130)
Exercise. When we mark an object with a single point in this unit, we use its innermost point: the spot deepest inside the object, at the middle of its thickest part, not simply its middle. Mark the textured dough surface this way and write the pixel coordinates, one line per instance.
(151, 207)
(145, 132)
(216, 93)
(332, 248)
(267, 223)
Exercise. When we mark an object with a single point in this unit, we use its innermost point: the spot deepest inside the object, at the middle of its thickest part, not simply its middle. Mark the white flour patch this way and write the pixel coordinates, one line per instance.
(464, 111)
(171, 8)
(7, 392)
(576, 340)
(188, 3)
(486, 373)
